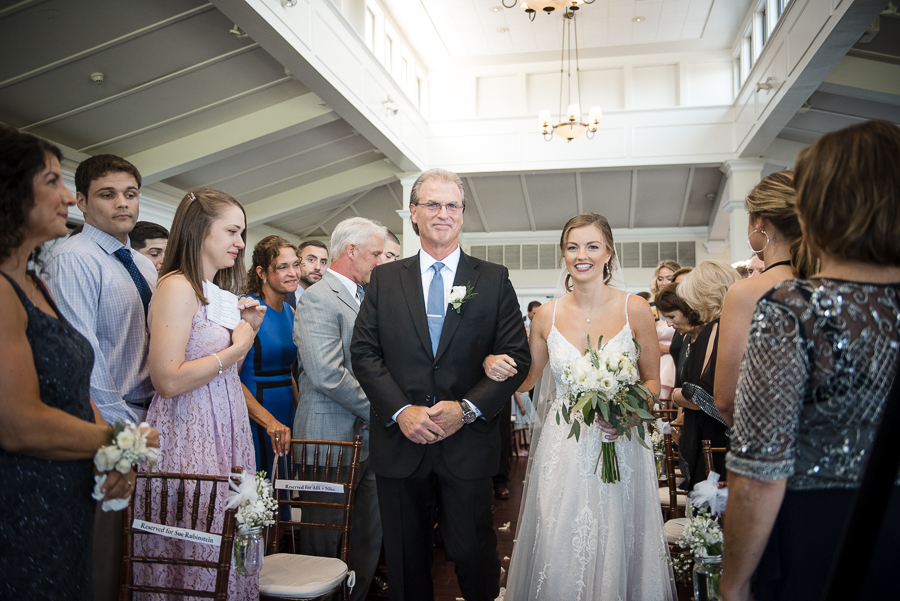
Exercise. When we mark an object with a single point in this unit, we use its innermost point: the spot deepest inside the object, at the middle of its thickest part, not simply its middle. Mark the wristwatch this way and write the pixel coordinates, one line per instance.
(468, 415)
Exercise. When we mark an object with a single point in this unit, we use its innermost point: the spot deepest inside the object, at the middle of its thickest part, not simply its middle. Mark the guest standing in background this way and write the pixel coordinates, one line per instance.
(150, 240)
(103, 288)
(333, 405)
(266, 370)
(704, 291)
(392, 249)
(822, 355)
(663, 276)
(50, 429)
(774, 233)
(199, 408)
(755, 266)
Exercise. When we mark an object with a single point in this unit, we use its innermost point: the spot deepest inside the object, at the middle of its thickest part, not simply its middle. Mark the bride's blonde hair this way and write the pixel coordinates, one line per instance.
(602, 224)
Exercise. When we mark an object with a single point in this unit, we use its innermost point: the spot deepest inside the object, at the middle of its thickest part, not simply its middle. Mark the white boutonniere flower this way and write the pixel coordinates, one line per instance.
(459, 295)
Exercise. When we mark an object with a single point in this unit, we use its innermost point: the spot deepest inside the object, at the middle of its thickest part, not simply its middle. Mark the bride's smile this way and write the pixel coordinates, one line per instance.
(586, 252)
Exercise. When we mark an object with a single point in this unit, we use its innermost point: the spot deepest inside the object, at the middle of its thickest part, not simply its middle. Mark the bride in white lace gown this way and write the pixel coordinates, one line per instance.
(578, 538)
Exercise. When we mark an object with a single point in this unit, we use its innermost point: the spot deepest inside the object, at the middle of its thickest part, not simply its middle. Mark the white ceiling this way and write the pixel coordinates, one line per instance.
(193, 105)
(448, 32)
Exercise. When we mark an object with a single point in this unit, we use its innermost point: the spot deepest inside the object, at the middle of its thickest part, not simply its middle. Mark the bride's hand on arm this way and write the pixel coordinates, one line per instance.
(171, 314)
(499, 367)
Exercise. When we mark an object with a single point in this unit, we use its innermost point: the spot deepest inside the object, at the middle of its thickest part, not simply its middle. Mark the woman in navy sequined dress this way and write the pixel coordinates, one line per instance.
(50, 429)
(821, 358)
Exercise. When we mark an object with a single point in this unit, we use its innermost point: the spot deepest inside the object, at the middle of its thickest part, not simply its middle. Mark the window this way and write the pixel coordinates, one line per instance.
(389, 53)
(370, 29)
(762, 20)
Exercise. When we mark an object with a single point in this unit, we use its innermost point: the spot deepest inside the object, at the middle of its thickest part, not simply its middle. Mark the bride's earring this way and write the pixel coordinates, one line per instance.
(750, 244)
(265, 280)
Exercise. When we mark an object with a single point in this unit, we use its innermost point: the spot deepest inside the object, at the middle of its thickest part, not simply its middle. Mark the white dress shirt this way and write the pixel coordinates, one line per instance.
(349, 284)
(95, 293)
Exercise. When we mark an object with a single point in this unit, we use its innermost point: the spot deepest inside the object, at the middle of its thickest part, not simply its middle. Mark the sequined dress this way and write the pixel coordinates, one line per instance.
(46, 528)
(820, 360)
(204, 431)
(580, 539)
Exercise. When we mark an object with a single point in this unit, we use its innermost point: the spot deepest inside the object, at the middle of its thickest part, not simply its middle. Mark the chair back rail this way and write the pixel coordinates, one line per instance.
(708, 450)
(186, 484)
(333, 462)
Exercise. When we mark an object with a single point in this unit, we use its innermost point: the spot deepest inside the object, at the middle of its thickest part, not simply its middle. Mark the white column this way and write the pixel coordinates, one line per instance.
(729, 223)
(410, 240)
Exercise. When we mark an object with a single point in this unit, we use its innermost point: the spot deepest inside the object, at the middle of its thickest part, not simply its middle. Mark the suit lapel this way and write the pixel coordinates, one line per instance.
(341, 291)
(411, 281)
(465, 274)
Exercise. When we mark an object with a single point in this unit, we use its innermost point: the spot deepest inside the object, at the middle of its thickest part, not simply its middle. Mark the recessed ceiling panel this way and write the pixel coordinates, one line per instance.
(659, 196)
(607, 193)
(704, 187)
(503, 203)
(552, 198)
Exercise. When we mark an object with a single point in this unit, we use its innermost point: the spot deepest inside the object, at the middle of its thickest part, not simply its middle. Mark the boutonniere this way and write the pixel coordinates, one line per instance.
(459, 295)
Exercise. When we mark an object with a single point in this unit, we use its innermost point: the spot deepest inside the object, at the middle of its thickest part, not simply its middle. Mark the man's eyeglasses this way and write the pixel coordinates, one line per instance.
(435, 207)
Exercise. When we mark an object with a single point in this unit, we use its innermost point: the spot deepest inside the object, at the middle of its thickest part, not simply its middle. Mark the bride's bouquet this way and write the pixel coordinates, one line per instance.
(604, 384)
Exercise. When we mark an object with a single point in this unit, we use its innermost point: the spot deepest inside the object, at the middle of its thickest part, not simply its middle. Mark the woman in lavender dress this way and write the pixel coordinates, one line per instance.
(199, 407)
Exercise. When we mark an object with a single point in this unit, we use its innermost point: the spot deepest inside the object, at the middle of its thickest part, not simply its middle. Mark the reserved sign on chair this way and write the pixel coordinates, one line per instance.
(308, 485)
(194, 536)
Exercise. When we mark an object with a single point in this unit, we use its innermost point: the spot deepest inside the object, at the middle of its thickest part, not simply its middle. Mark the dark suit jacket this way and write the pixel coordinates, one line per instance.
(392, 359)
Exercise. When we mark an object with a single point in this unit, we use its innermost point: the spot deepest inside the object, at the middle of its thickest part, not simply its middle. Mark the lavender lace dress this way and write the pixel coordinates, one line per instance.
(204, 431)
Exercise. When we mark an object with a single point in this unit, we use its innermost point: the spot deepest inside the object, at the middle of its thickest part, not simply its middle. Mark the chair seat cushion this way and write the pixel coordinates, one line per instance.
(674, 528)
(289, 575)
(664, 497)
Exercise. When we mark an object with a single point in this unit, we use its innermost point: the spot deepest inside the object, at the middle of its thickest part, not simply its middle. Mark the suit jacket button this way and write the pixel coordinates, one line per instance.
(436, 367)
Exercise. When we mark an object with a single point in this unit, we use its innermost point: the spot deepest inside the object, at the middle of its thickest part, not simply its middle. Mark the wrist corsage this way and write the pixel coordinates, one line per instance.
(128, 447)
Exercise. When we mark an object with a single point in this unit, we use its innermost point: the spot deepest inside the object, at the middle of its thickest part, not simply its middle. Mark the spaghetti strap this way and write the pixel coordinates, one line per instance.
(626, 310)
(553, 318)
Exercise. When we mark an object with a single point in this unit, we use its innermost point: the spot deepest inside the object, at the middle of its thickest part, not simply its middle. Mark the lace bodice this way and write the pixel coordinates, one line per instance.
(563, 352)
(821, 358)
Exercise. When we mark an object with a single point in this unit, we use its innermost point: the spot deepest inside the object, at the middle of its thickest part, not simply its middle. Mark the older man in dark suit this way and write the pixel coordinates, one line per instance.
(425, 326)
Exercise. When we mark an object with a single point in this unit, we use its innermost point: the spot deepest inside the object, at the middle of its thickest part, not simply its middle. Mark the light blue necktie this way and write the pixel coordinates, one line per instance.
(360, 293)
(436, 306)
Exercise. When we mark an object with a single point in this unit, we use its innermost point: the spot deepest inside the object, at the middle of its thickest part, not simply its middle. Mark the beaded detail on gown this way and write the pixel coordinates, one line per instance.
(203, 431)
(46, 532)
(580, 539)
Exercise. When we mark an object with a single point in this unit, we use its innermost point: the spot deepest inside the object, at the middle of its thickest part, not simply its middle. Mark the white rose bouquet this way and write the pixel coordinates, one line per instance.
(604, 385)
(128, 447)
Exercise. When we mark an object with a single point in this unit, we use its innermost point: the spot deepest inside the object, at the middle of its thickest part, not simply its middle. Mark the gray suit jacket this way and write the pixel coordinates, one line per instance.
(332, 405)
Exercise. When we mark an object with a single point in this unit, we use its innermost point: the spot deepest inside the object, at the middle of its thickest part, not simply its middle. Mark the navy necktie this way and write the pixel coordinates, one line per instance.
(124, 255)
(436, 307)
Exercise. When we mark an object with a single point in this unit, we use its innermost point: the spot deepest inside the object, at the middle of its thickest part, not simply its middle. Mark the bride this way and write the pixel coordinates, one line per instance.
(578, 538)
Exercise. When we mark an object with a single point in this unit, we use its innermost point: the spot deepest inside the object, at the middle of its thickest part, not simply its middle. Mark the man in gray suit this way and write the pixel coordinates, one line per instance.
(332, 406)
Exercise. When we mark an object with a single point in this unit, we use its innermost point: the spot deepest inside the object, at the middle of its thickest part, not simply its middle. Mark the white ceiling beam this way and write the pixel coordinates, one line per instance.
(528, 208)
(343, 207)
(142, 87)
(249, 193)
(197, 110)
(281, 159)
(390, 189)
(484, 223)
(579, 197)
(11, 10)
(362, 178)
(93, 50)
(632, 201)
(228, 139)
(687, 197)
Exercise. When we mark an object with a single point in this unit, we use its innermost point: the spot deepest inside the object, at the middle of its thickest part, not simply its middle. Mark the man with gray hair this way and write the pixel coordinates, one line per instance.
(332, 405)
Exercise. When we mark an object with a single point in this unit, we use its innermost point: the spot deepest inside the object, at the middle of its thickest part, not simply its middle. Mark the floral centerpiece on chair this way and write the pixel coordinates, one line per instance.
(604, 385)
(252, 495)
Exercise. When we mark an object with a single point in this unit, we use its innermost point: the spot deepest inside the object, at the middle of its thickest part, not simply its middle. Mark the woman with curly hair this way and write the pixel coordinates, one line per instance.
(269, 388)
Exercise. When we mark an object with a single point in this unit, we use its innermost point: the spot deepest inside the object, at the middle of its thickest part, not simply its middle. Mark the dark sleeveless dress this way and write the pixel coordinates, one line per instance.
(46, 509)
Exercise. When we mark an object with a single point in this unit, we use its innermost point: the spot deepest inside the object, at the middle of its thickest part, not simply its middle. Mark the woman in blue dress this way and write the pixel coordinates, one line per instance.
(266, 372)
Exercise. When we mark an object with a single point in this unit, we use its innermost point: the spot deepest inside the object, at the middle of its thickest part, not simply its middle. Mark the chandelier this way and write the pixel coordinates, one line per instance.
(570, 125)
(548, 6)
